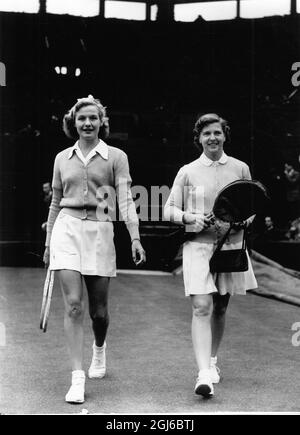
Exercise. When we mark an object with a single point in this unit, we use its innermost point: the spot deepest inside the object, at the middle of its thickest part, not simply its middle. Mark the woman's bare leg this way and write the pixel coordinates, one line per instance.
(72, 290)
(97, 288)
(201, 329)
(218, 320)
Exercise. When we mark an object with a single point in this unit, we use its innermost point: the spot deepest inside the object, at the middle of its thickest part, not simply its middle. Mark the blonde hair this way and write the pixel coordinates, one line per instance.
(69, 118)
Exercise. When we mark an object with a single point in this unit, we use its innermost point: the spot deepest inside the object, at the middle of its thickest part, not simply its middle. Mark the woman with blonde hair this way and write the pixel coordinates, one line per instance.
(79, 244)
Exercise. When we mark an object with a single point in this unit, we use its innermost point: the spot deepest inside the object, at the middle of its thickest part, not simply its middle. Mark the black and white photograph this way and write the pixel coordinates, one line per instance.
(149, 210)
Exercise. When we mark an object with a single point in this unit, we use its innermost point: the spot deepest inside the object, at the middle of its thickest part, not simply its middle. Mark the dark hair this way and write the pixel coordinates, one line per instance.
(69, 118)
(204, 121)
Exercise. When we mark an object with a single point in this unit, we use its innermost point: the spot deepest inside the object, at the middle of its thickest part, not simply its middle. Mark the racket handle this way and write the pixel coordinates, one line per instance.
(48, 289)
(45, 295)
(49, 298)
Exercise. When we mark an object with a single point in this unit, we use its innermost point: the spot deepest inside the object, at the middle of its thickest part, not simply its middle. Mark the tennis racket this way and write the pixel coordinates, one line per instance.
(237, 202)
(240, 200)
(46, 303)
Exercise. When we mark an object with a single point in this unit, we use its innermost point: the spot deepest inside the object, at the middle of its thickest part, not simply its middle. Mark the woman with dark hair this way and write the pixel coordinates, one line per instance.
(79, 244)
(190, 203)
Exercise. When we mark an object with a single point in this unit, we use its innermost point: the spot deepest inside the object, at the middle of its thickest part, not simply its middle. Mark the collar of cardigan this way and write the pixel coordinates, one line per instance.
(207, 162)
(101, 148)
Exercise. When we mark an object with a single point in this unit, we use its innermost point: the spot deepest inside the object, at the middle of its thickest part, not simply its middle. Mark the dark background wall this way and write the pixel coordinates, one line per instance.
(155, 78)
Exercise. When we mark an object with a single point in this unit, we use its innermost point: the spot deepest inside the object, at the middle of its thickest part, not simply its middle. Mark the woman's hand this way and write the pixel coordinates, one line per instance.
(198, 220)
(46, 257)
(138, 253)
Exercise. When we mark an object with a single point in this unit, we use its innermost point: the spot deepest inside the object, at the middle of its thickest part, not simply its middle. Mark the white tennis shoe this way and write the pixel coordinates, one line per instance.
(76, 391)
(214, 370)
(98, 365)
(204, 386)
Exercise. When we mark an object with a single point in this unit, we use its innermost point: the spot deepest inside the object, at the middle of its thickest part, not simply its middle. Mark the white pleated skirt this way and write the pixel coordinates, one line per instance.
(198, 280)
(83, 245)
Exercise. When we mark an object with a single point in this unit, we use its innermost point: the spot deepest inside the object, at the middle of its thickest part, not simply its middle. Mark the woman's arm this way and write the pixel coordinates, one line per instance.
(57, 194)
(174, 207)
(124, 196)
(173, 210)
(54, 209)
(127, 207)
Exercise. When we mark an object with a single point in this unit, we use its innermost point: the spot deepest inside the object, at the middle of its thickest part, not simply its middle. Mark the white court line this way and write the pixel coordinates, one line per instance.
(143, 272)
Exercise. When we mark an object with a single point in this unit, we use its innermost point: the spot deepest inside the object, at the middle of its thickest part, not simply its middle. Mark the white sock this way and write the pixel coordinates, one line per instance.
(99, 349)
(78, 374)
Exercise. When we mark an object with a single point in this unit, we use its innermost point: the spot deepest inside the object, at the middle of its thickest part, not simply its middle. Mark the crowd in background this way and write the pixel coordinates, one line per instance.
(173, 73)
(284, 222)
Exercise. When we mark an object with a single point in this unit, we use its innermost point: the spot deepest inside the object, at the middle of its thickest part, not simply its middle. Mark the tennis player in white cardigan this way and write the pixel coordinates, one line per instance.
(190, 202)
(88, 178)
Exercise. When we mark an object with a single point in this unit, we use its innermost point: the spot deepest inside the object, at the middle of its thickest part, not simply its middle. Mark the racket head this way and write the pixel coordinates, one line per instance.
(240, 200)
